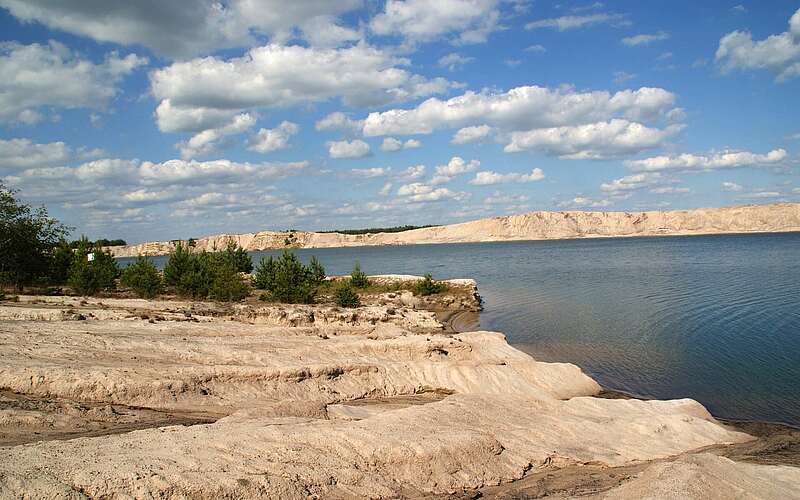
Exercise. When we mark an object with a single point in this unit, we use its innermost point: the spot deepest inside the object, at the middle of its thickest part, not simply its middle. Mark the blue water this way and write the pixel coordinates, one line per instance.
(714, 318)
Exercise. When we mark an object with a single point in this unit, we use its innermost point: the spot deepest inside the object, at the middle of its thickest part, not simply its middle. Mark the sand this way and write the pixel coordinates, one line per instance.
(320, 402)
(781, 217)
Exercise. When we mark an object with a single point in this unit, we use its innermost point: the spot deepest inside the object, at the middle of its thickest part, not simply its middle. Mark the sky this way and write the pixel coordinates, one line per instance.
(154, 120)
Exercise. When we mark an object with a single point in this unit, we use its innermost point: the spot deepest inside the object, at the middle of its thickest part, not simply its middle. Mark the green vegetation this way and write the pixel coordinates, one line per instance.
(207, 275)
(61, 259)
(92, 269)
(143, 278)
(372, 230)
(426, 286)
(102, 242)
(287, 279)
(345, 296)
(27, 239)
(358, 279)
(237, 258)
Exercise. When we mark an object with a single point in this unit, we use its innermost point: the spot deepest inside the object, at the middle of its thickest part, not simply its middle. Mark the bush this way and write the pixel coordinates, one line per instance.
(345, 296)
(358, 279)
(286, 279)
(60, 262)
(87, 277)
(228, 285)
(143, 278)
(178, 265)
(426, 286)
(236, 257)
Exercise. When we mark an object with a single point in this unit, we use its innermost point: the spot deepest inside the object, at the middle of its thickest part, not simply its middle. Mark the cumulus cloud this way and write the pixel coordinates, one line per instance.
(731, 186)
(339, 121)
(274, 139)
(521, 108)
(188, 28)
(420, 192)
(778, 53)
(565, 23)
(348, 149)
(369, 173)
(713, 161)
(414, 172)
(592, 141)
(645, 39)
(390, 144)
(23, 153)
(465, 21)
(212, 89)
(454, 61)
(633, 182)
(471, 134)
(487, 178)
(537, 49)
(38, 75)
(206, 142)
(455, 167)
(584, 202)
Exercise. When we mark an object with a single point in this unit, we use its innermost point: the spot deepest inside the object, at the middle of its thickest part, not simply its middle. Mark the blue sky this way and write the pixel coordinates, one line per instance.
(144, 121)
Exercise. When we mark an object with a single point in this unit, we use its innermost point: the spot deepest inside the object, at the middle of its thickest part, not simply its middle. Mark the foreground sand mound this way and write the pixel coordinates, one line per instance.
(325, 411)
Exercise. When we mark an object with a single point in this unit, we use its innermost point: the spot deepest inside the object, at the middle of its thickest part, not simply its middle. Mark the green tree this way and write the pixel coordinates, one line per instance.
(61, 258)
(236, 257)
(317, 270)
(92, 269)
(286, 279)
(143, 278)
(358, 279)
(228, 285)
(345, 296)
(179, 263)
(426, 286)
(27, 237)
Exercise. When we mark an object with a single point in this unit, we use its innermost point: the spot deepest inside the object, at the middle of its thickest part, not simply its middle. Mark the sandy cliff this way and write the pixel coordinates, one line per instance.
(531, 226)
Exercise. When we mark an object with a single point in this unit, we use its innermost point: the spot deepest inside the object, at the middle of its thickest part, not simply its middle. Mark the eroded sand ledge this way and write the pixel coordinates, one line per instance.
(329, 403)
(780, 217)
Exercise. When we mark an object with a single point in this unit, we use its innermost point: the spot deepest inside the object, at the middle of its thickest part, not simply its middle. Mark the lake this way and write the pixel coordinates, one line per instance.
(714, 318)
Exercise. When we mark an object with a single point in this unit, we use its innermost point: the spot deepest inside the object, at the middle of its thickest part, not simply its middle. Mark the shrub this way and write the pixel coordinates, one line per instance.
(198, 276)
(286, 279)
(228, 285)
(143, 278)
(87, 277)
(60, 261)
(426, 286)
(236, 257)
(178, 265)
(345, 296)
(358, 279)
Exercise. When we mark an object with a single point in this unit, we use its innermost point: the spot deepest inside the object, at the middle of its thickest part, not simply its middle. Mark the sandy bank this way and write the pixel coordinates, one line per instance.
(782, 217)
(324, 402)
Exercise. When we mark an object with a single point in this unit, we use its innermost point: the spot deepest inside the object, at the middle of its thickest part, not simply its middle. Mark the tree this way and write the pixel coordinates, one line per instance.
(345, 296)
(236, 257)
(358, 279)
(317, 270)
(27, 237)
(92, 269)
(286, 279)
(61, 258)
(426, 286)
(179, 263)
(143, 278)
(228, 285)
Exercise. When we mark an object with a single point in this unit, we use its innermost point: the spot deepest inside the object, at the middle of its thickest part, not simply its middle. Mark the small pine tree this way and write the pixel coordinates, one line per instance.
(358, 279)
(228, 285)
(179, 263)
(236, 257)
(426, 286)
(142, 277)
(87, 277)
(345, 296)
(317, 271)
(60, 261)
(286, 279)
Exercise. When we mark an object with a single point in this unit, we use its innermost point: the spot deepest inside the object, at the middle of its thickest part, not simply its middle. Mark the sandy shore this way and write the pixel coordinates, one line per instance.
(121, 398)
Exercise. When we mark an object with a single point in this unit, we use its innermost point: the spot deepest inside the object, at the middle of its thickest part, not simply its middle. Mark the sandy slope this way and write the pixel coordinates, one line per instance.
(531, 226)
(374, 403)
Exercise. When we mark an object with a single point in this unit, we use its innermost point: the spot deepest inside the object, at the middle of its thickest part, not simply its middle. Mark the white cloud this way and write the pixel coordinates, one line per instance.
(348, 149)
(23, 153)
(713, 161)
(268, 140)
(386, 189)
(339, 121)
(471, 134)
(37, 75)
(206, 141)
(633, 182)
(212, 89)
(369, 173)
(731, 186)
(622, 76)
(390, 144)
(420, 192)
(592, 141)
(218, 171)
(645, 39)
(469, 21)
(538, 49)
(565, 23)
(454, 61)
(498, 198)
(456, 166)
(584, 202)
(758, 195)
(487, 178)
(414, 172)
(670, 190)
(778, 53)
(189, 28)
(521, 108)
